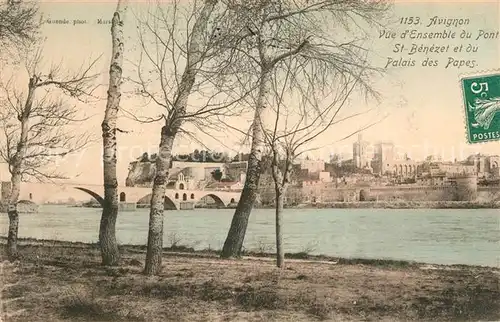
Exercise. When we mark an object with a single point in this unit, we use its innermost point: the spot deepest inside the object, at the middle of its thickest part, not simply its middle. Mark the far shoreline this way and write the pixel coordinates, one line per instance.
(400, 204)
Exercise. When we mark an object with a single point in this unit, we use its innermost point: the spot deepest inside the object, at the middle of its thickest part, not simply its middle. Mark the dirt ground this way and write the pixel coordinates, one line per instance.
(57, 281)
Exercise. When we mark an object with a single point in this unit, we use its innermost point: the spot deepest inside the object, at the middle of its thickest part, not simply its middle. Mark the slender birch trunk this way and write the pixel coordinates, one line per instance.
(16, 172)
(280, 254)
(107, 230)
(279, 194)
(236, 235)
(155, 233)
(281, 181)
(168, 134)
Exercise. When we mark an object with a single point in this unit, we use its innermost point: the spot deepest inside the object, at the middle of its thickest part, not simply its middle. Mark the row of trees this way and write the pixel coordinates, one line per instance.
(37, 105)
(196, 156)
(204, 156)
(282, 61)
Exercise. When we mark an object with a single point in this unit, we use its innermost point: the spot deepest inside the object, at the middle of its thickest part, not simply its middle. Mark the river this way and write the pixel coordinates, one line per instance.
(438, 236)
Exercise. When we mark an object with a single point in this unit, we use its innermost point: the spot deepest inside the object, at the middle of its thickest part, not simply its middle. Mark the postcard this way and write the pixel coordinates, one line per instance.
(209, 160)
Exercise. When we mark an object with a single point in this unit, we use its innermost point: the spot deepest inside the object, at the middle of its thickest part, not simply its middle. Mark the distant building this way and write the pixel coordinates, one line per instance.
(494, 163)
(387, 163)
(448, 168)
(236, 170)
(384, 157)
(432, 180)
(183, 178)
(405, 168)
(439, 173)
(197, 175)
(456, 168)
(225, 186)
(312, 165)
(305, 177)
(362, 153)
(486, 166)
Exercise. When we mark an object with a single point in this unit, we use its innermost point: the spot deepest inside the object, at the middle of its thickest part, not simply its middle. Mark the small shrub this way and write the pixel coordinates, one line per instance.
(86, 306)
(174, 239)
(262, 298)
(320, 308)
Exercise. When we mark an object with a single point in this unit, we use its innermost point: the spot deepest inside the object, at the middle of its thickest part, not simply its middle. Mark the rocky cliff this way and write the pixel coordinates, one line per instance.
(140, 174)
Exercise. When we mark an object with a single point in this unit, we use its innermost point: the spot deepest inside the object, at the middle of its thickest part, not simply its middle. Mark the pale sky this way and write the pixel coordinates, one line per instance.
(423, 106)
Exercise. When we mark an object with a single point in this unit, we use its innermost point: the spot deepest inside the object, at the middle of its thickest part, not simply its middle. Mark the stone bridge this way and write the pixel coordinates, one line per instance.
(42, 193)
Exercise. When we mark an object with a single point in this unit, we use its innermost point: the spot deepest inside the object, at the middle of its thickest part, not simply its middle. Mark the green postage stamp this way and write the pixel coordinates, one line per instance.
(482, 107)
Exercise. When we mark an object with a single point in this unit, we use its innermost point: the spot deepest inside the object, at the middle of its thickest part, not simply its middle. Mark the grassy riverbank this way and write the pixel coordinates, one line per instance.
(62, 281)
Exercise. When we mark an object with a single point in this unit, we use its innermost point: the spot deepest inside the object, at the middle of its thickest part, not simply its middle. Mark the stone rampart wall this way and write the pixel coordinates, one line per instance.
(488, 194)
(414, 193)
(422, 193)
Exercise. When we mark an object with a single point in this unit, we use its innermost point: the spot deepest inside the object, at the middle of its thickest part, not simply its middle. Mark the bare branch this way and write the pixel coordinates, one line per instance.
(165, 57)
(19, 22)
(39, 125)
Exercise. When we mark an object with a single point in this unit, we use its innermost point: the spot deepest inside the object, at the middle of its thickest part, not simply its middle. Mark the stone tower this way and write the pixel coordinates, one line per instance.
(6, 185)
(359, 152)
(465, 187)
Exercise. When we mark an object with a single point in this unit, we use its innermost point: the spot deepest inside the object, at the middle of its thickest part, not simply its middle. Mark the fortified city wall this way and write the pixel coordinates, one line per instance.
(463, 188)
(488, 194)
(421, 193)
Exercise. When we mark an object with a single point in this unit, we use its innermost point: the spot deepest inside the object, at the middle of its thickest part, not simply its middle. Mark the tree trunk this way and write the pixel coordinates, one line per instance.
(155, 234)
(16, 168)
(281, 180)
(12, 251)
(280, 254)
(236, 235)
(168, 134)
(107, 230)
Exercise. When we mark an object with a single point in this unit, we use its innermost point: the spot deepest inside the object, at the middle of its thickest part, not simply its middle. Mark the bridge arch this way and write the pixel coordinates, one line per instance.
(96, 196)
(217, 199)
(168, 204)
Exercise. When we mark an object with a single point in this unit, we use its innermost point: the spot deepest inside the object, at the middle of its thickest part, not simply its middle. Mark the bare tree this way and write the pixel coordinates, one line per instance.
(177, 51)
(36, 126)
(296, 128)
(270, 33)
(19, 22)
(107, 231)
